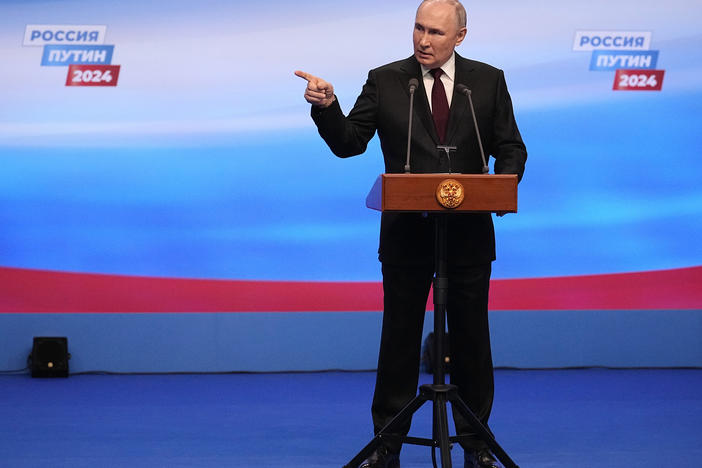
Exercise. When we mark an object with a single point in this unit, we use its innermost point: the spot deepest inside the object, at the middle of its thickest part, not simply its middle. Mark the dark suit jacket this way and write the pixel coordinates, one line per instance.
(383, 106)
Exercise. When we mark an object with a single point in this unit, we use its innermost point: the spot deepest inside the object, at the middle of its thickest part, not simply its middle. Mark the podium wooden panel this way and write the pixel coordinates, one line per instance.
(417, 192)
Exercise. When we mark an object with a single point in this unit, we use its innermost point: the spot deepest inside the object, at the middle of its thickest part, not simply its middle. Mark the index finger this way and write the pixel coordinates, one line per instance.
(304, 75)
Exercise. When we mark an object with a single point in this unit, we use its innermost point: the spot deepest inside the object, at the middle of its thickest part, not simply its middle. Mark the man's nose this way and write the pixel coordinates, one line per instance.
(424, 41)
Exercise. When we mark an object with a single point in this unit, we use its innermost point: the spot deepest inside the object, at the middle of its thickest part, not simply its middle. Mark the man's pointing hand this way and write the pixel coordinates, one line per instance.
(319, 93)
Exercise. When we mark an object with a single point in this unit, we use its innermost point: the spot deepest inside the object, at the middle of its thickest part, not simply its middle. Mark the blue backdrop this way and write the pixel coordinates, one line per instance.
(202, 162)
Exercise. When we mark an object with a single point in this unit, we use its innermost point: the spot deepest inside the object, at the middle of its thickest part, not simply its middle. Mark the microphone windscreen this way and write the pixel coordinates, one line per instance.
(413, 83)
(462, 89)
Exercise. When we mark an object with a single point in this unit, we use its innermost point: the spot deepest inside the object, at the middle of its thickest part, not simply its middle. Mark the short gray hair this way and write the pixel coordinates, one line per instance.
(460, 10)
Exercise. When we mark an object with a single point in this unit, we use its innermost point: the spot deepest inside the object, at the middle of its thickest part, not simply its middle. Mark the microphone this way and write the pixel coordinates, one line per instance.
(413, 83)
(463, 89)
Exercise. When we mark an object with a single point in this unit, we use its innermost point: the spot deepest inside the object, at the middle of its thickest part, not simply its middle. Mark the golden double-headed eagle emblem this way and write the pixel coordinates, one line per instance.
(450, 193)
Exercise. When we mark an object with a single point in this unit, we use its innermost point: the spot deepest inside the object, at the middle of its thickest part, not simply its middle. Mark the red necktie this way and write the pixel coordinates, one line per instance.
(439, 105)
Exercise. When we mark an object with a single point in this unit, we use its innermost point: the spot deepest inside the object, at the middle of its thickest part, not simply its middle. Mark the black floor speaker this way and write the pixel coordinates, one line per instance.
(49, 357)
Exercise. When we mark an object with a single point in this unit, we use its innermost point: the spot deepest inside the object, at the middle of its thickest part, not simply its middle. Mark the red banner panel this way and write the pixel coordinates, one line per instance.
(638, 80)
(92, 75)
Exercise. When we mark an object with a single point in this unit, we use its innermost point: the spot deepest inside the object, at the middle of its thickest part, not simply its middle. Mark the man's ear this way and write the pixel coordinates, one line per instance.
(461, 35)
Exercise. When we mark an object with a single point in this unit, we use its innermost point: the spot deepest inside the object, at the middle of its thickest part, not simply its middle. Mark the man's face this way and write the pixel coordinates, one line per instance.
(436, 33)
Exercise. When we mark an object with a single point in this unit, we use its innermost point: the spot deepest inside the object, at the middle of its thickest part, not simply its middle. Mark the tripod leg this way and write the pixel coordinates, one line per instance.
(478, 427)
(388, 431)
(441, 431)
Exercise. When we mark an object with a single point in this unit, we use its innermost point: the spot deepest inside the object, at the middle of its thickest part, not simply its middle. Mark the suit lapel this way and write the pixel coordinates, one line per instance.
(459, 102)
(421, 101)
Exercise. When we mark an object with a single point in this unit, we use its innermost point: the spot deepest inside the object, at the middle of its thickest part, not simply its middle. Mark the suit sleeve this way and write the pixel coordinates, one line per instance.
(349, 136)
(507, 145)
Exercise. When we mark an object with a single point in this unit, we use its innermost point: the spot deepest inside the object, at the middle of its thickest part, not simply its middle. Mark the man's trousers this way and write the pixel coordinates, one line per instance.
(406, 289)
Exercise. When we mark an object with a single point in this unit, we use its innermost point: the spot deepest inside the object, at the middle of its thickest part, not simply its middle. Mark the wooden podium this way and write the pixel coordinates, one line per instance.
(417, 192)
(442, 195)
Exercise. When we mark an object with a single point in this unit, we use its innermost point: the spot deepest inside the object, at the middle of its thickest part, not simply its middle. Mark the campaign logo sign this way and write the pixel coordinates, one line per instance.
(638, 80)
(43, 34)
(63, 55)
(92, 75)
(605, 60)
(612, 40)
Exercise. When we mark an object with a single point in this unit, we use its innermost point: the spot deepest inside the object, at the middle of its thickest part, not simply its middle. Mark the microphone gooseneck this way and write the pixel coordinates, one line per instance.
(463, 89)
(413, 83)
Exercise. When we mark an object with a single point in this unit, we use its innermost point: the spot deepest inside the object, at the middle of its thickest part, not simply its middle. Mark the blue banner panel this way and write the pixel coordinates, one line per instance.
(610, 60)
(64, 55)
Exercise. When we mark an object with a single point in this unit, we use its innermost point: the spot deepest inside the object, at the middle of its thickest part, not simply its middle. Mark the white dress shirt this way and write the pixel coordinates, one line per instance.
(447, 78)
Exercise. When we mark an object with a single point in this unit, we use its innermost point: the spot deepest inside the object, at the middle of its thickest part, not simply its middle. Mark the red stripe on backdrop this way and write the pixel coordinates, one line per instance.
(36, 291)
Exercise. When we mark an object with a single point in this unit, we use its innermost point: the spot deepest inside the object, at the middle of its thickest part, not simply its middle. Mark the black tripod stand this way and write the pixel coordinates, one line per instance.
(438, 392)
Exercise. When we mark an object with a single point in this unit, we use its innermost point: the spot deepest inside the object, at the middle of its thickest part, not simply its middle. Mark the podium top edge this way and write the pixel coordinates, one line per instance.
(447, 175)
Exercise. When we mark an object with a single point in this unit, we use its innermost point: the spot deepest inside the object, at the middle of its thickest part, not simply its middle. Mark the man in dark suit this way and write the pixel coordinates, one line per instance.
(406, 251)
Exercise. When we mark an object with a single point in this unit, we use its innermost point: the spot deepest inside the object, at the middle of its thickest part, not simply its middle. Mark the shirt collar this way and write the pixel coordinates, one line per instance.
(449, 67)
